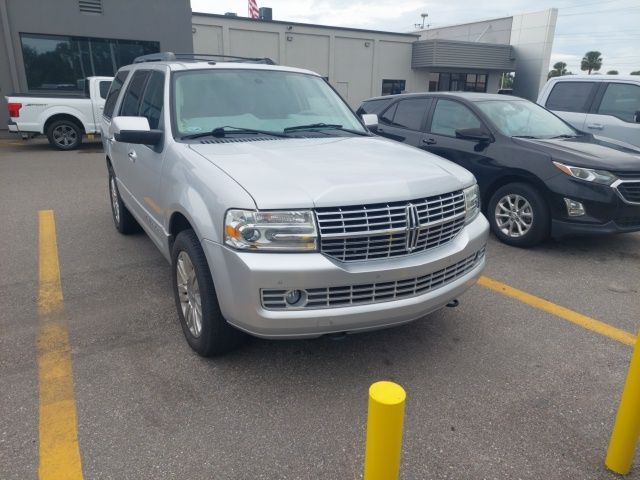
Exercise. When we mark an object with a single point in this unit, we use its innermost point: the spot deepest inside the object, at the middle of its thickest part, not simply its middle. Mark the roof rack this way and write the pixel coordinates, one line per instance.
(198, 57)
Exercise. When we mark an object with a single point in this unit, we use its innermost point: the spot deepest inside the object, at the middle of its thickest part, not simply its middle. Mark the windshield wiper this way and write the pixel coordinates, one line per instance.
(523, 136)
(227, 129)
(565, 135)
(329, 126)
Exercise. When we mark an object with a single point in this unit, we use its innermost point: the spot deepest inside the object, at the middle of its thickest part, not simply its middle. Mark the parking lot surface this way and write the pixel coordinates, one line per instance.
(496, 388)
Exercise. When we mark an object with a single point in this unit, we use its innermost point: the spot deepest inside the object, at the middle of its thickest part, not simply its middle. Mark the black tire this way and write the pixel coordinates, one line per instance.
(64, 135)
(216, 335)
(538, 218)
(123, 220)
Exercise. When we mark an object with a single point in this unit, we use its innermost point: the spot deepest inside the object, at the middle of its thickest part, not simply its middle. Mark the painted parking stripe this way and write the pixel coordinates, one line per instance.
(58, 434)
(583, 321)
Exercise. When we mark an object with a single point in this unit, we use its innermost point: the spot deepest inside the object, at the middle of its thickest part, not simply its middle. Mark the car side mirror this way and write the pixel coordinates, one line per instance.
(370, 121)
(134, 130)
(477, 134)
(636, 117)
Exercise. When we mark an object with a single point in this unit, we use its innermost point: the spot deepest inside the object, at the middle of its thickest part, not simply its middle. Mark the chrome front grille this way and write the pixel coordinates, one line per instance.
(345, 296)
(630, 191)
(383, 230)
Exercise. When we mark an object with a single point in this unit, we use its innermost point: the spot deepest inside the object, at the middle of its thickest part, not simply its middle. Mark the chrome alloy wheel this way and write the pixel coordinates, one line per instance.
(64, 136)
(115, 204)
(514, 215)
(189, 292)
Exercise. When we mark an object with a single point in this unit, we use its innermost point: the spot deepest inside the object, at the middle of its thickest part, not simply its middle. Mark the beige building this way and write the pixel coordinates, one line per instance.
(364, 63)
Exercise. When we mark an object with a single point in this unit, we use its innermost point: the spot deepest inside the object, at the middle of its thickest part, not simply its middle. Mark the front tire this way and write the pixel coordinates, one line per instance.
(64, 135)
(203, 325)
(518, 215)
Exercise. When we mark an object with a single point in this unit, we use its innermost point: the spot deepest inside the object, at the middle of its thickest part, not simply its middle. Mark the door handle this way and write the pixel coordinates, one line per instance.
(429, 141)
(595, 126)
(132, 155)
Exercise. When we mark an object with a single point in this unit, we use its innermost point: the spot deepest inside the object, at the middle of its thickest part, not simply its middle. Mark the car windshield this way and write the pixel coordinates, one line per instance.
(266, 100)
(521, 118)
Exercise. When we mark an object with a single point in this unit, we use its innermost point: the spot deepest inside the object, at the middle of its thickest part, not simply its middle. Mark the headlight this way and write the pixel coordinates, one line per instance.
(275, 230)
(471, 203)
(587, 174)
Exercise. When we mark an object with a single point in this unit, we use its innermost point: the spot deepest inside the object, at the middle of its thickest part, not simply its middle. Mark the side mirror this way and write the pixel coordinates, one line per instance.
(370, 121)
(134, 130)
(636, 117)
(477, 134)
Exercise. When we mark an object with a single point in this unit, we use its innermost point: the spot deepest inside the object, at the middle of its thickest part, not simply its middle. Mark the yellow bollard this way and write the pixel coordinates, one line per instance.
(384, 431)
(627, 425)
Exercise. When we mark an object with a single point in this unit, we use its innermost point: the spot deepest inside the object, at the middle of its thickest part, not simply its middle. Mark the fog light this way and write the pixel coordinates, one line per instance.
(295, 298)
(574, 208)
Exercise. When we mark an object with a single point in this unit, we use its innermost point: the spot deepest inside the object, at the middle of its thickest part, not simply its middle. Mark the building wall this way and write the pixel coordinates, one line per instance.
(532, 39)
(486, 31)
(530, 34)
(166, 21)
(355, 61)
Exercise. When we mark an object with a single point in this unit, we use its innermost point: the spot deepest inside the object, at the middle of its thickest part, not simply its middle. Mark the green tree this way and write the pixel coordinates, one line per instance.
(637, 72)
(559, 69)
(612, 72)
(592, 61)
(507, 80)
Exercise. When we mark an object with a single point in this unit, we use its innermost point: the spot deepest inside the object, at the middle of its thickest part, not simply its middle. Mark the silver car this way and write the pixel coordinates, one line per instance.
(281, 215)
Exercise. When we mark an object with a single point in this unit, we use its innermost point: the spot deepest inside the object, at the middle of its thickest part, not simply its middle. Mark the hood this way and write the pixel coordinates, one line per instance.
(329, 172)
(588, 152)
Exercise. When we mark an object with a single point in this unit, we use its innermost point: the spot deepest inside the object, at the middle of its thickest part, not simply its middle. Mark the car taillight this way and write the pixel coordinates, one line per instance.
(14, 109)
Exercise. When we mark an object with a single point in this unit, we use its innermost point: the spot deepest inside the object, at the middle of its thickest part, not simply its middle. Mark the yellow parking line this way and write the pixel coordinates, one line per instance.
(58, 435)
(562, 312)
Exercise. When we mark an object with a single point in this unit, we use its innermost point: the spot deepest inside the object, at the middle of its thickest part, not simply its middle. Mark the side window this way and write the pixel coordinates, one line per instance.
(387, 117)
(450, 116)
(410, 113)
(152, 100)
(104, 89)
(570, 96)
(621, 100)
(114, 91)
(373, 106)
(131, 101)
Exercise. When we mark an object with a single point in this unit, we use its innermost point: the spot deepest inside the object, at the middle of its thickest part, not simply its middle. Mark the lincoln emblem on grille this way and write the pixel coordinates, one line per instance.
(413, 226)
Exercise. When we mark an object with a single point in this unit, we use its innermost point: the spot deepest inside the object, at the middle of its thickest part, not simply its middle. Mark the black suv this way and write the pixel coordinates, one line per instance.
(538, 176)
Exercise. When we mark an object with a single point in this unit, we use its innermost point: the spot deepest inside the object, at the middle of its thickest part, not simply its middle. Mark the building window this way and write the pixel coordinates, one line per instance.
(55, 62)
(462, 82)
(392, 87)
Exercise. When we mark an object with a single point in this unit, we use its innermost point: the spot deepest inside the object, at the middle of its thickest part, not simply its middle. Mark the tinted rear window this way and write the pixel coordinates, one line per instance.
(410, 113)
(570, 96)
(114, 91)
(131, 101)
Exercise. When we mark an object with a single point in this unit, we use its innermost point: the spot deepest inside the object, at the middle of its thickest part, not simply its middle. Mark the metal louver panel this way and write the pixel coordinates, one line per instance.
(90, 6)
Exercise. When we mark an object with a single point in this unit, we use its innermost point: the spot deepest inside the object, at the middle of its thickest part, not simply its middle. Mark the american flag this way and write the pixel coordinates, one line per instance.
(253, 9)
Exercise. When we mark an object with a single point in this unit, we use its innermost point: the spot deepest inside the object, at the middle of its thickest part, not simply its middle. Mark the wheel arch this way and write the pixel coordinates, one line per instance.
(63, 116)
(514, 177)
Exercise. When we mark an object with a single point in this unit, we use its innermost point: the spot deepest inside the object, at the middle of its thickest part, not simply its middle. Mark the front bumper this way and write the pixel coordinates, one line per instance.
(606, 212)
(239, 278)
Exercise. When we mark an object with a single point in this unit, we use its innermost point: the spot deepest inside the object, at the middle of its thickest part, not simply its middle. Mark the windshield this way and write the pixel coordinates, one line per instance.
(264, 100)
(521, 118)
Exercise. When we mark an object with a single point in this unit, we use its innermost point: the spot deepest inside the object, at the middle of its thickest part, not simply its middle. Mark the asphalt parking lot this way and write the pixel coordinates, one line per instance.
(497, 388)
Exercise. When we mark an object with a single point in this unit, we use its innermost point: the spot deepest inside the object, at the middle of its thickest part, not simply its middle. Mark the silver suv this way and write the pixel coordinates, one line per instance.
(281, 215)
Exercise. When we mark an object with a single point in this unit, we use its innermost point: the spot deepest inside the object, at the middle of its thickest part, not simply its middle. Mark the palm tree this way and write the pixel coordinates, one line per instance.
(612, 72)
(592, 61)
(559, 69)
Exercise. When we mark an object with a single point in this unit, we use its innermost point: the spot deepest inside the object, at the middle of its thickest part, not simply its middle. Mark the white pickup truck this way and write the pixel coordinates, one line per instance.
(63, 117)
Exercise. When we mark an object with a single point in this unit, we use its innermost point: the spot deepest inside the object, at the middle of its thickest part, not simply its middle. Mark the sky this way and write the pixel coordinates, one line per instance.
(611, 27)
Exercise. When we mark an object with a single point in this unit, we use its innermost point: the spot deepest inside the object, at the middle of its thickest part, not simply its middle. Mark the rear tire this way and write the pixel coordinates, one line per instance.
(64, 135)
(518, 215)
(125, 222)
(203, 325)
